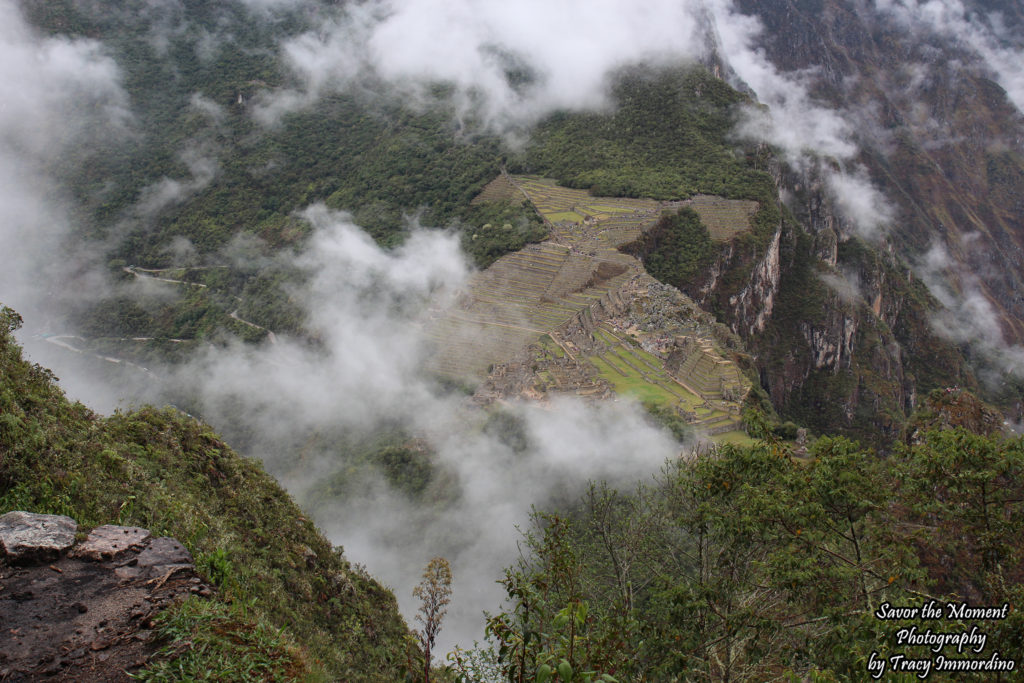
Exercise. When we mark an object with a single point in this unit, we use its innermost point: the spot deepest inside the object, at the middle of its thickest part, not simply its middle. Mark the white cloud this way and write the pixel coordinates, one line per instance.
(860, 202)
(367, 307)
(202, 167)
(1001, 50)
(846, 284)
(968, 317)
(57, 98)
(569, 47)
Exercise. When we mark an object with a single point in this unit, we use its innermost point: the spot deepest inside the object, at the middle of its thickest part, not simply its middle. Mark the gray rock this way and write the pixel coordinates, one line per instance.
(109, 540)
(160, 556)
(31, 537)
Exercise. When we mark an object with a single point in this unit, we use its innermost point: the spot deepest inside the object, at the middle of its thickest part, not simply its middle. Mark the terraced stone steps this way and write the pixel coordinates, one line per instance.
(553, 287)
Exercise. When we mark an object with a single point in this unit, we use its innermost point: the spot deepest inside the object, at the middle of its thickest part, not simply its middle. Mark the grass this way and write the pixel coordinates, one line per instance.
(549, 345)
(169, 473)
(734, 438)
(558, 204)
(632, 384)
(210, 641)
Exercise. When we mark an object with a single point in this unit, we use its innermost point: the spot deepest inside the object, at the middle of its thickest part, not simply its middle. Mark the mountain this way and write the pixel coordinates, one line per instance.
(940, 118)
(416, 277)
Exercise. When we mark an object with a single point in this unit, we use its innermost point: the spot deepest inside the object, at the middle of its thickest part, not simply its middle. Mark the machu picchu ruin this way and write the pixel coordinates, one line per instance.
(574, 314)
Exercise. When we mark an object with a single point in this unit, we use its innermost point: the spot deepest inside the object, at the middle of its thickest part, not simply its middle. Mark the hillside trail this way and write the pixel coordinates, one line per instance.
(148, 274)
(84, 612)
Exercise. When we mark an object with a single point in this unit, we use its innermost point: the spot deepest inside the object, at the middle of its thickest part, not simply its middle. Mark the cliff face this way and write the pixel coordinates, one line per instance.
(840, 328)
(939, 135)
(843, 330)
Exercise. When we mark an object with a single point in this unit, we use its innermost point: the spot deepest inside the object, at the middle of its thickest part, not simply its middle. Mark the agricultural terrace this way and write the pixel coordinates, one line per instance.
(576, 216)
(724, 218)
(529, 299)
(704, 390)
(498, 190)
(519, 298)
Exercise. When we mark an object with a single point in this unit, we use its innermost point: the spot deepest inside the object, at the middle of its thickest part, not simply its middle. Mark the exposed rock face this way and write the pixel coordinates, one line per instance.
(754, 305)
(940, 137)
(159, 557)
(84, 615)
(104, 542)
(30, 537)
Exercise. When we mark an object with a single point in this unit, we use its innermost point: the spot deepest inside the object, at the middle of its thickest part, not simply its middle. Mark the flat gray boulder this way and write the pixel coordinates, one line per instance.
(32, 537)
(160, 557)
(107, 541)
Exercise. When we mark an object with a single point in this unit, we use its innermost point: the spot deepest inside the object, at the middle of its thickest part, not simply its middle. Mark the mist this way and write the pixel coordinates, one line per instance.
(367, 308)
(293, 402)
(1000, 48)
(968, 317)
(58, 96)
(510, 63)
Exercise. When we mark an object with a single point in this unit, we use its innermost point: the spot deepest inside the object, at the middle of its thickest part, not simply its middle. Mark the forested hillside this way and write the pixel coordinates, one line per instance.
(746, 564)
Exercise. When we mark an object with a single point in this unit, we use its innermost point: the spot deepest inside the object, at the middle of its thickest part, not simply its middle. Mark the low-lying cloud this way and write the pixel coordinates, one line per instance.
(367, 308)
(57, 96)
(798, 125)
(1000, 48)
(511, 63)
(968, 317)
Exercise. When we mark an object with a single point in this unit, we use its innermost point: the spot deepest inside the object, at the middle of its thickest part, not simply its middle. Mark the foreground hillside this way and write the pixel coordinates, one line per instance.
(164, 471)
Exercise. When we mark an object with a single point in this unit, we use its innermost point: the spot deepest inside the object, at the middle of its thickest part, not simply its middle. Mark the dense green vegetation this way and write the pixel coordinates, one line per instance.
(666, 139)
(678, 248)
(740, 565)
(162, 470)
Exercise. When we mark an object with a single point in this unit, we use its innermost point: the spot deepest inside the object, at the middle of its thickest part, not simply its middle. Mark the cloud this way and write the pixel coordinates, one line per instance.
(968, 317)
(566, 50)
(985, 34)
(513, 63)
(803, 129)
(296, 402)
(202, 167)
(58, 98)
(859, 201)
(573, 443)
(792, 121)
(846, 284)
(204, 105)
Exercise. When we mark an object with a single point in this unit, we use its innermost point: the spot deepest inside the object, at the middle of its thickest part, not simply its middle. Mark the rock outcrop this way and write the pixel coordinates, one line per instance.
(84, 612)
(28, 537)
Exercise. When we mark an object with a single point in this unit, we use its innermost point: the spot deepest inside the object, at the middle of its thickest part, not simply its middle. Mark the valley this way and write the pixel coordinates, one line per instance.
(682, 338)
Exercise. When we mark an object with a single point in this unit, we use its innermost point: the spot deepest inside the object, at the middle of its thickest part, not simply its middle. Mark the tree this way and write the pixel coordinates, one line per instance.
(434, 592)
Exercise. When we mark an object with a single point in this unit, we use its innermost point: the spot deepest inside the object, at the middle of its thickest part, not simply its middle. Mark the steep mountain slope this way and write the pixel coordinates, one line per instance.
(202, 175)
(938, 131)
(169, 473)
(746, 566)
(840, 328)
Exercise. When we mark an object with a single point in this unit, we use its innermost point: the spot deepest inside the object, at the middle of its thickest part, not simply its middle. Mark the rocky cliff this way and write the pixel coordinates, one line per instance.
(840, 327)
(938, 132)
